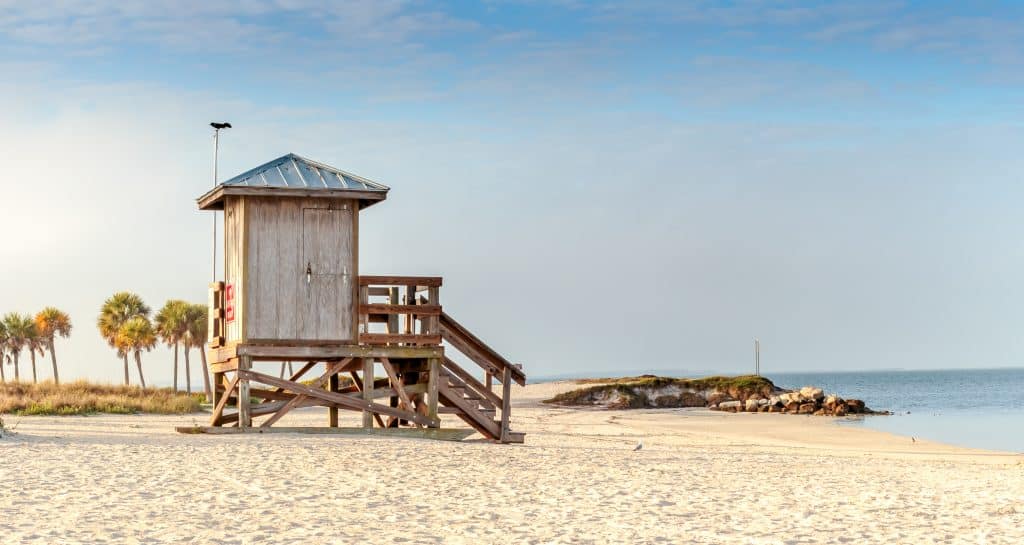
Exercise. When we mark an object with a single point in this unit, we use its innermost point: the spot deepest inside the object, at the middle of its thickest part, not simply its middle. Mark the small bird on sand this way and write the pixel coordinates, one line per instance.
(912, 440)
(638, 446)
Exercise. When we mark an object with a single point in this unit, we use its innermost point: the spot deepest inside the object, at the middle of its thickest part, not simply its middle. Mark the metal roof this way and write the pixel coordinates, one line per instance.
(293, 175)
(293, 171)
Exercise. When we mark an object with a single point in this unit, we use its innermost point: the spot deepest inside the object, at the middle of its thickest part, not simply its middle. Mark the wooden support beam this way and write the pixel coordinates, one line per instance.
(343, 400)
(506, 403)
(408, 338)
(334, 352)
(244, 418)
(359, 384)
(224, 366)
(428, 281)
(440, 434)
(324, 380)
(332, 413)
(419, 310)
(432, 384)
(218, 409)
(367, 394)
(399, 386)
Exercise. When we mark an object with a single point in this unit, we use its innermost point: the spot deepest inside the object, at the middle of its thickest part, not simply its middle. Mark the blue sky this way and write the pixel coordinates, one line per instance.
(670, 178)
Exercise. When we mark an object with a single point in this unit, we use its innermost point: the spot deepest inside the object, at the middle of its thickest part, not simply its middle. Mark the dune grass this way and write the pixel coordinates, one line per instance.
(82, 397)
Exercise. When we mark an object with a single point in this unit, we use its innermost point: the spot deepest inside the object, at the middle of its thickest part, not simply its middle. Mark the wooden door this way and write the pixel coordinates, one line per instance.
(327, 260)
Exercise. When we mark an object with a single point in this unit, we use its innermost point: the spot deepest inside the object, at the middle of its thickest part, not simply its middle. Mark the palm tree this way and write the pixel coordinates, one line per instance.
(35, 343)
(172, 327)
(196, 338)
(20, 330)
(3, 350)
(52, 322)
(136, 334)
(114, 313)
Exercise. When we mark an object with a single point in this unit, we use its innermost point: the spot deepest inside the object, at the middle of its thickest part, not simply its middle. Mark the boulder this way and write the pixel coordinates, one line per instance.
(751, 405)
(792, 406)
(775, 400)
(839, 410)
(810, 392)
(831, 401)
(807, 408)
(763, 408)
(775, 409)
(819, 412)
(854, 406)
(731, 406)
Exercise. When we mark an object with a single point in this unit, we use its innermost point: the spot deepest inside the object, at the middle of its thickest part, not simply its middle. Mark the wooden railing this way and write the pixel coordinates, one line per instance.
(407, 319)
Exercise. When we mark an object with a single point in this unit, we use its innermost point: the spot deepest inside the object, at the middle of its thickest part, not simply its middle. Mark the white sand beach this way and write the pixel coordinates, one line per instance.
(700, 477)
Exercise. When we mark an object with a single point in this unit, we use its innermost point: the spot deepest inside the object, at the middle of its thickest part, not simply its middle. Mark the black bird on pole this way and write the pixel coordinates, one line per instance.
(219, 126)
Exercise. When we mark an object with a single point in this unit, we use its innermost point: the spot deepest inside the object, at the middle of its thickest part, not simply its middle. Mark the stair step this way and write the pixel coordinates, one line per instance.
(490, 413)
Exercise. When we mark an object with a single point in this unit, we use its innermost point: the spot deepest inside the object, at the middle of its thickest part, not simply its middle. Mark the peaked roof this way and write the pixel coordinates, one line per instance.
(294, 175)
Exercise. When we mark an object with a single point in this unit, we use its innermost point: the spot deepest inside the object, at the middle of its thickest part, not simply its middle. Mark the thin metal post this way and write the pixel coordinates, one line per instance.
(216, 152)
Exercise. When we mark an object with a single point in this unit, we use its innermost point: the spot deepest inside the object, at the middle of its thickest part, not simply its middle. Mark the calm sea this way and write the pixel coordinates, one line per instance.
(981, 408)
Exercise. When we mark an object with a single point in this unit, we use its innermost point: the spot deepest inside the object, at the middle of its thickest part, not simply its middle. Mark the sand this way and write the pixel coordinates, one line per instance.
(701, 477)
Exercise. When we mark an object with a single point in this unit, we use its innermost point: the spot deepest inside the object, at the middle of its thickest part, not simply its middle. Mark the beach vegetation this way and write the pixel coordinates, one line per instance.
(135, 336)
(19, 333)
(115, 312)
(50, 323)
(194, 337)
(171, 325)
(82, 397)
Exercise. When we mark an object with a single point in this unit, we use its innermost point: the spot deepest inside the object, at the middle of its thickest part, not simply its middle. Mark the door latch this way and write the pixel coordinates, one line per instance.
(309, 273)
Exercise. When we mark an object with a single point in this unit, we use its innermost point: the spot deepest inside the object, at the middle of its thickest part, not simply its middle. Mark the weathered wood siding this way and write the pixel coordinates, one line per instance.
(285, 237)
(234, 258)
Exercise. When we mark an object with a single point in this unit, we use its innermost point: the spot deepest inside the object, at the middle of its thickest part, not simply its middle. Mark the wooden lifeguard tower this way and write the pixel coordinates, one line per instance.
(293, 292)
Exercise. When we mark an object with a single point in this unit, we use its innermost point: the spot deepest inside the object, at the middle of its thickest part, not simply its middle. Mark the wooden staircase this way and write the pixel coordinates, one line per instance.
(410, 320)
(473, 401)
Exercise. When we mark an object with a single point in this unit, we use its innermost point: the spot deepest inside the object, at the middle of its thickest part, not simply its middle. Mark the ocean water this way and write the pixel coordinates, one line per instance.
(982, 408)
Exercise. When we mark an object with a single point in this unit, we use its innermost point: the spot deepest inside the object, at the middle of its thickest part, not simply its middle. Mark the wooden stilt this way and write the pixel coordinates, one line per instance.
(368, 391)
(506, 402)
(244, 418)
(398, 385)
(332, 386)
(360, 385)
(432, 380)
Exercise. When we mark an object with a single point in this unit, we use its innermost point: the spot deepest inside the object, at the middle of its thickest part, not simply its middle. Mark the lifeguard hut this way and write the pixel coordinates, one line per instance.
(293, 292)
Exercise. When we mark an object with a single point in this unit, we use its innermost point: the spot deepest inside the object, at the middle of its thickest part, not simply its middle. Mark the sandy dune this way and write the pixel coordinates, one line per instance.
(700, 478)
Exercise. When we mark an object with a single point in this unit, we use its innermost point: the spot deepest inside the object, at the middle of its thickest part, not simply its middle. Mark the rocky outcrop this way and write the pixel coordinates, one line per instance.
(730, 394)
(807, 400)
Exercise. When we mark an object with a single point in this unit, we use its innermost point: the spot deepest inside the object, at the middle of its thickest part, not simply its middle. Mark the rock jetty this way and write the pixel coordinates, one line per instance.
(751, 394)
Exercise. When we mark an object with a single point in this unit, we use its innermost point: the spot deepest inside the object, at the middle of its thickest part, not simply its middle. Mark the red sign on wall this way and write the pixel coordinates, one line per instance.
(229, 303)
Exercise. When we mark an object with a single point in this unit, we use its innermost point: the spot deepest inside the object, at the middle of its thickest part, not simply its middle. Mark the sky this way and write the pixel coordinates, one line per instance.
(605, 187)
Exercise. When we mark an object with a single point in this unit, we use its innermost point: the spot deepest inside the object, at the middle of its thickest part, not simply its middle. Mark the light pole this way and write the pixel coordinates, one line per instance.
(216, 151)
(757, 356)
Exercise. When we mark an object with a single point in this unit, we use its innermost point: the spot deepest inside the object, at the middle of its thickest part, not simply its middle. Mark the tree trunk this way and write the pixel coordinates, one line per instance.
(176, 366)
(3, 375)
(138, 363)
(32, 353)
(188, 374)
(126, 381)
(17, 375)
(53, 359)
(206, 375)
